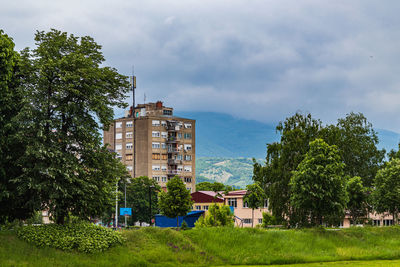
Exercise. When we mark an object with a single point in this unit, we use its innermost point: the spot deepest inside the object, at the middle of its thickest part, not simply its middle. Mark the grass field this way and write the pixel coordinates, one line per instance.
(222, 247)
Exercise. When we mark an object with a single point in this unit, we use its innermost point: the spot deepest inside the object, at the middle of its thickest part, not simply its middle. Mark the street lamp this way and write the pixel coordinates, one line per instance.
(150, 188)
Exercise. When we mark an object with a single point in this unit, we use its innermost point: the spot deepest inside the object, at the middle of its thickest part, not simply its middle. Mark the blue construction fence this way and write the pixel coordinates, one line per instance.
(190, 219)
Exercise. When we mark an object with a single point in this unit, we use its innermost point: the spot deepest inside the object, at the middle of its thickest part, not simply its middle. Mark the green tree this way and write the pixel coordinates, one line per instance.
(357, 143)
(138, 192)
(282, 158)
(207, 186)
(177, 201)
(386, 195)
(318, 185)
(217, 215)
(68, 94)
(13, 203)
(358, 196)
(255, 198)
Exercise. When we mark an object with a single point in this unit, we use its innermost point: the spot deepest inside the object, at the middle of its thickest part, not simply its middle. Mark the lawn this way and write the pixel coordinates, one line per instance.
(368, 246)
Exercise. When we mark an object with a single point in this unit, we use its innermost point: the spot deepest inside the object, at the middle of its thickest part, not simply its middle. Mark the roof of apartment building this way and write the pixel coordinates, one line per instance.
(237, 193)
(207, 197)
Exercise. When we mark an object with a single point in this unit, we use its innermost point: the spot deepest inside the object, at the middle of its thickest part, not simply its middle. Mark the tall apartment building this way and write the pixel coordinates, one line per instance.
(152, 142)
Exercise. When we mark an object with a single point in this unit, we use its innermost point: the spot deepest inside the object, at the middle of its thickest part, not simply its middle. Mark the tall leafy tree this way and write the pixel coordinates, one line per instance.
(282, 158)
(177, 201)
(254, 197)
(386, 195)
(13, 204)
(138, 193)
(69, 92)
(357, 142)
(358, 196)
(318, 185)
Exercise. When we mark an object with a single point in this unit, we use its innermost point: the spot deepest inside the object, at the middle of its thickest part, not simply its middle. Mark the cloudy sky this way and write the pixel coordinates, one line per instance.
(256, 59)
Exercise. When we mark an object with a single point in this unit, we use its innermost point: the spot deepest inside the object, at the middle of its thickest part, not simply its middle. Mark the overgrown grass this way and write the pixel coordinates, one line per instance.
(220, 246)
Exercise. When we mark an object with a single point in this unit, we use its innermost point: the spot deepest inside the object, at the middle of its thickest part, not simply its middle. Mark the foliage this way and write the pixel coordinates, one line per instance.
(255, 198)
(36, 218)
(68, 92)
(13, 204)
(318, 185)
(138, 192)
(177, 201)
(184, 225)
(83, 237)
(220, 246)
(268, 219)
(217, 215)
(387, 187)
(282, 158)
(357, 143)
(358, 196)
(214, 186)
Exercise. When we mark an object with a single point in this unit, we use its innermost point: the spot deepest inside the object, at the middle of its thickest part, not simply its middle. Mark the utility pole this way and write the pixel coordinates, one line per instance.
(125, 205)
(116, 206)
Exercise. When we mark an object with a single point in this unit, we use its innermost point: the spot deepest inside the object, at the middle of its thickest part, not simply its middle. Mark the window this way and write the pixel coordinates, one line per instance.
(129, 135)
(155, 156)
(129, 124)
(187, 147)
(387, 222)
(155, 134)
(163, 123)
(118, 147)
(180, 168)
(247, 221)
(179, 157)
(163, 145)
(155, 167)
(163, 167)
(156, 145)
(167, 112)
(205, 207)
(187, 179)
(155, 123)
(129, 157)
(129, 168)
(118, 125)
(129, 145)
(164, 134)
(188, 125)
(198, 207)
(245, 204)
(156, 178)
(164, 156)
(260, 221)
(232, 202)
(188, 168)
(118, 136)
(179, 135)
(187, 135)
(188, 157)
(164, 178)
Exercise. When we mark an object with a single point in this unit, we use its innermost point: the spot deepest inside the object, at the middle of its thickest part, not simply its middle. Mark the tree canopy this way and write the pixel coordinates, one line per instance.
(67, 92)
(255, 198)
(177, 201)
(318, 186)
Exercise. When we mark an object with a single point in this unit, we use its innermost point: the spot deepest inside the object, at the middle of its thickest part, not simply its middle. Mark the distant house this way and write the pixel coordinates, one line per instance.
(234, 199)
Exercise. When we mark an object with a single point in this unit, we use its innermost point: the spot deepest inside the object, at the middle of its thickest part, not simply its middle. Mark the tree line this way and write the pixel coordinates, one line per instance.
(317, 172)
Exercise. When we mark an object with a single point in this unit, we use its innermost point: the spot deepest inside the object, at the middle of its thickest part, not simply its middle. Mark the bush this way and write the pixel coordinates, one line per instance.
(268, 219)
(84, 237)
(218, 215)
(184, 225)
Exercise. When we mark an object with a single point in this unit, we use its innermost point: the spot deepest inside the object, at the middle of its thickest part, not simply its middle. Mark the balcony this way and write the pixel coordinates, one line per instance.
(174, 162)
(172, 126)
(173, 150)
(172, 140)
(172, 172)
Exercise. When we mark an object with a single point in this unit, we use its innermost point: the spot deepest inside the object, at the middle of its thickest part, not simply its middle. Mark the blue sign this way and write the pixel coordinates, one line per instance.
(125, 211)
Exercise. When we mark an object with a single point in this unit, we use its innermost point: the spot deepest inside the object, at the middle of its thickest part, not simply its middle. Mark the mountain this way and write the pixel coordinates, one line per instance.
(225, 146)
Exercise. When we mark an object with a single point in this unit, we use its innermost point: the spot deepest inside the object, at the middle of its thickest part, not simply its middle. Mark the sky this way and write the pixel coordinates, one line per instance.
(256, 59)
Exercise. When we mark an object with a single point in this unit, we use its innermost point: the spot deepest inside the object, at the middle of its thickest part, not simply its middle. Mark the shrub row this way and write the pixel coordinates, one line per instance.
(83, 237)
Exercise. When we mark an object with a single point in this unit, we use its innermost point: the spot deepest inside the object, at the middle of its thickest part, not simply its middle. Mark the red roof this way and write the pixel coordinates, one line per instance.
(207, 197)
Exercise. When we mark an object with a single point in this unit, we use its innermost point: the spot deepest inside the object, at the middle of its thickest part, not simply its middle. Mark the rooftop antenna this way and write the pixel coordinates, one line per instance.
(144, 98)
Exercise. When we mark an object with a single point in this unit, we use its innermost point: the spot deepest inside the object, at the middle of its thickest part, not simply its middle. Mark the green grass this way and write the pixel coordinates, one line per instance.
(222, 246)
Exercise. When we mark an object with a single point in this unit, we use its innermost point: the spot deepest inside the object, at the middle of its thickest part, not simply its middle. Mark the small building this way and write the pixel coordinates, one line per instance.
(203, 199)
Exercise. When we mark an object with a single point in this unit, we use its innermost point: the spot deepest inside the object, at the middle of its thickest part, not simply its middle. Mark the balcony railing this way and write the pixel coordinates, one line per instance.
(174, 161)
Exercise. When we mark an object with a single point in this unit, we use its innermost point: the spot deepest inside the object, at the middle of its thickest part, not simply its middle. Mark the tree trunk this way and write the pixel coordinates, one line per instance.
(252, 218)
